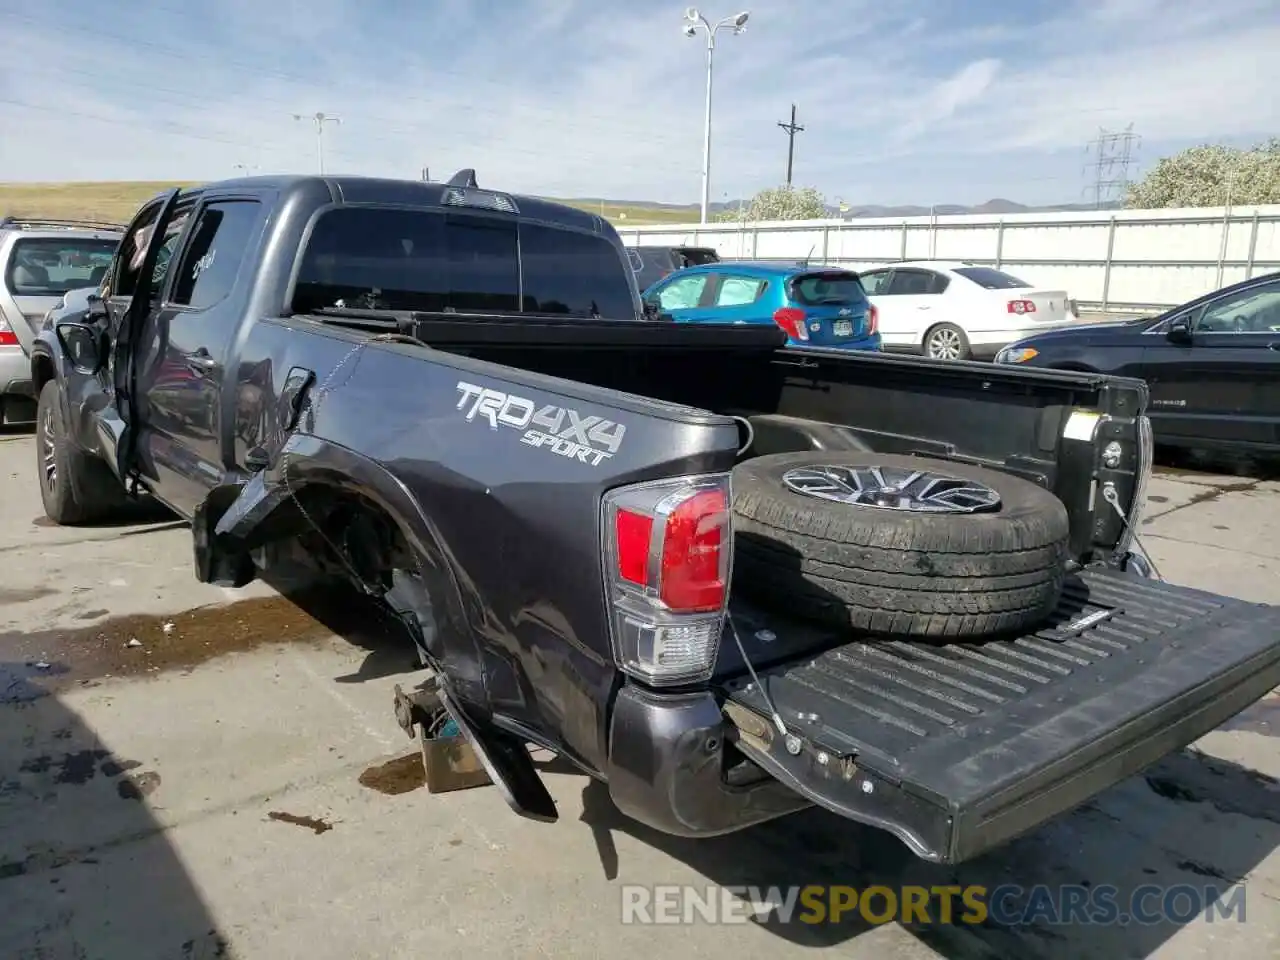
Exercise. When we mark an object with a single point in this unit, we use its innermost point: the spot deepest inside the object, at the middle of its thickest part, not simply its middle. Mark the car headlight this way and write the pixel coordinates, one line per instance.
(1016, 354)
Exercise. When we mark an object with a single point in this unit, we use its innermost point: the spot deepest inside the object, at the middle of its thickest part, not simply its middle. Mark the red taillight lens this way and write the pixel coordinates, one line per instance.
(693, 574)
(1022, 306)
(791, 320)
(634, 532)
(7, 337)
(668, 547)
(873, 320)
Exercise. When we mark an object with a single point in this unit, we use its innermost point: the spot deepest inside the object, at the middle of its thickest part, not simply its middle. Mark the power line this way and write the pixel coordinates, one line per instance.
(1114, 155)
(792, 129)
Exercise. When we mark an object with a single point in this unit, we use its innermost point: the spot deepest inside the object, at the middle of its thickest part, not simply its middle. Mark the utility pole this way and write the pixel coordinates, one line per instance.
(320, 120)
(792, 129)
(1114, 152)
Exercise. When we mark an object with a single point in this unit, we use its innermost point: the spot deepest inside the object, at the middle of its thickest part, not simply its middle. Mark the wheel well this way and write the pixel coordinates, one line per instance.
(42, 371)
(338, 531)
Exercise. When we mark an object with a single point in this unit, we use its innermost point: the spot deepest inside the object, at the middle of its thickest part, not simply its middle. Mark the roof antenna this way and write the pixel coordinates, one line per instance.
(464, 178)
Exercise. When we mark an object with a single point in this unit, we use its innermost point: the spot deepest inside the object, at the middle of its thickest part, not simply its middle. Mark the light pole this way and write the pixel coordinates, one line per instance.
(692, 21)
(320, 120)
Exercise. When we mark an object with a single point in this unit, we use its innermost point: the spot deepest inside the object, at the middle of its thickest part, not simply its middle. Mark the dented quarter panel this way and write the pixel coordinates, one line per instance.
(496, 476)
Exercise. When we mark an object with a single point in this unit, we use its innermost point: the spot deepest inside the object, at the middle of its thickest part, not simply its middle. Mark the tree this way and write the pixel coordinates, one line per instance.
(1211, 176)
(781, 203)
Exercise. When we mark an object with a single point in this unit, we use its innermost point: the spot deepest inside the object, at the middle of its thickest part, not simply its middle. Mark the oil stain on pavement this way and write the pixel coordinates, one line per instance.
(38, 663)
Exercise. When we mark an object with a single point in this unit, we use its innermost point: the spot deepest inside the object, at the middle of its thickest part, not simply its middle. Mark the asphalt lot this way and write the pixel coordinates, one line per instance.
(219, 789)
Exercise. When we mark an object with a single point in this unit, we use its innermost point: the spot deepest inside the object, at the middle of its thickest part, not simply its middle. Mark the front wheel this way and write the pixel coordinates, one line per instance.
(946, 341)
(75, 487)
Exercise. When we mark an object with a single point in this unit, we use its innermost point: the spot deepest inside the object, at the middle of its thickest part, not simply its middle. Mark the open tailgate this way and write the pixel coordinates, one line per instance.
(957, 748)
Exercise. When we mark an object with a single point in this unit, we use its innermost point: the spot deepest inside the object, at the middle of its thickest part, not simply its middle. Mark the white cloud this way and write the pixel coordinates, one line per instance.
(575, 97)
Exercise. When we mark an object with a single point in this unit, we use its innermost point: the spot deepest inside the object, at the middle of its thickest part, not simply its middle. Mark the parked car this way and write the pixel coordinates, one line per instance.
(952, 310)
(816, 307)
(1212, 365)
(709, 570)
(652, 263)
(40, 260)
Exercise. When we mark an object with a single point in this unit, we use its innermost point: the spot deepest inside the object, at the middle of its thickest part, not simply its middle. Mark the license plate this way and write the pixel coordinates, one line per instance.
(842, 328)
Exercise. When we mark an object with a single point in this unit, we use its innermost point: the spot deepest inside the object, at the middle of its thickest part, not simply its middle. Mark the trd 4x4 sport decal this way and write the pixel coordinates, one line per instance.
(562, 430)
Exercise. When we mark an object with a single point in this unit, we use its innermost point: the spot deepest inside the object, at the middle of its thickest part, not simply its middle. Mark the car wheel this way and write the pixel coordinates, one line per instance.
(946, 341)
(75, 487)
(898, 545)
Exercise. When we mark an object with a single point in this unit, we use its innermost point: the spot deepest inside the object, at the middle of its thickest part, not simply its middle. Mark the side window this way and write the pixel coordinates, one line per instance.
(211, 260)
(164, 258)
(739, 291)
(938, 283)
(124, 279)
(684, 293)
(1255, 310)
(908, 283)
(874, 282)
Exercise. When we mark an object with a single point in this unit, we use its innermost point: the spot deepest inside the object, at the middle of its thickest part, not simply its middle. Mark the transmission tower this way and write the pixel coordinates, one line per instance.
(1113, 153)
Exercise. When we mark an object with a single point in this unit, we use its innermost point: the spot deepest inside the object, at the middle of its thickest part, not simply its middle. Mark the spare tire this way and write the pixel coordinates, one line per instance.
(898, 544)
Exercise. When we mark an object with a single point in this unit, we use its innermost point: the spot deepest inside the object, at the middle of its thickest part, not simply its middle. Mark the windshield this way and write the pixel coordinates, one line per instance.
(434, 262)
(49, 267)
(817, 288)
(990, 279)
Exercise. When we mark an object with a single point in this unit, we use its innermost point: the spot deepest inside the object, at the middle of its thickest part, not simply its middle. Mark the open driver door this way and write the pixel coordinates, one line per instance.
(128, 296)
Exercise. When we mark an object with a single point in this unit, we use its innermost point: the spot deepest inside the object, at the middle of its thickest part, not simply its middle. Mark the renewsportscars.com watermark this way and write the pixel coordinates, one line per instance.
(1007, 905)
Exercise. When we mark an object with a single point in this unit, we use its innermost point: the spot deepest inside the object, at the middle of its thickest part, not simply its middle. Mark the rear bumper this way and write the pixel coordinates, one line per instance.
(667, 768)
(865, 343)
(15, 372)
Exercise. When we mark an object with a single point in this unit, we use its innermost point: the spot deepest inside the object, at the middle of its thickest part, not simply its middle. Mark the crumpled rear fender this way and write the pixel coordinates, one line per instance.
(307, 461)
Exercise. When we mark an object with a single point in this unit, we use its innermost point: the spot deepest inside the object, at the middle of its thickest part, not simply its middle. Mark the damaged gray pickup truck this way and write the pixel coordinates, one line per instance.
(729, 578)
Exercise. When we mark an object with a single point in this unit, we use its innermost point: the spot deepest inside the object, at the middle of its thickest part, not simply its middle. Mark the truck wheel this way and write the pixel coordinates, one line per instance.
(897, 544)
(76, 487)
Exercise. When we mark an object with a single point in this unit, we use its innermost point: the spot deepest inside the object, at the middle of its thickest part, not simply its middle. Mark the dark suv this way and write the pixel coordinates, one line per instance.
(651, 264)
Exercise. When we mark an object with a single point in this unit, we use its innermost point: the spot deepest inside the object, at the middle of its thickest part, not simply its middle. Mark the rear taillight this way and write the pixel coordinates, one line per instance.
(7, 337)
(873, 320)
(1022, 306)
(791, 320)
(668, 549)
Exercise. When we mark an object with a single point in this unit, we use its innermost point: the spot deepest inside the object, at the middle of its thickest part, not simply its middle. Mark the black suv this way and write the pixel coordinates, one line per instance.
(651, 264)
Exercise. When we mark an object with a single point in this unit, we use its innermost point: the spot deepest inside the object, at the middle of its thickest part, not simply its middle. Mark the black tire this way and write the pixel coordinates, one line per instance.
(80, 488)
(892, 571)
(954, 338)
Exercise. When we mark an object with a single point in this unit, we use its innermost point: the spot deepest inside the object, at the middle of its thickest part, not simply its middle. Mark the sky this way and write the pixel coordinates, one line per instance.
(916, 101)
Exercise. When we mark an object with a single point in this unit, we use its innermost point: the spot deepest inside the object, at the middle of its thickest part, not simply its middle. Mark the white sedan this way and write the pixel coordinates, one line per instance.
(951, 310)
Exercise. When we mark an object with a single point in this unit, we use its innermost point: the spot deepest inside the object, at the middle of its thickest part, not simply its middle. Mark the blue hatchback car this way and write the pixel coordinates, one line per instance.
(816, 306)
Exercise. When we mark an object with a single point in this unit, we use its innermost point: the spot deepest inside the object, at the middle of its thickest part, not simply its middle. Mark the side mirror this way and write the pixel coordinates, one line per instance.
(1179, 330)
(84, 346)
(651, 309)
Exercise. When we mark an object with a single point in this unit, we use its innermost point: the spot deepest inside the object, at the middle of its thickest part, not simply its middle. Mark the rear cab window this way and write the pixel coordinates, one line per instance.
(51, 266)
(827, 287)
(990, 279)
(444, 262)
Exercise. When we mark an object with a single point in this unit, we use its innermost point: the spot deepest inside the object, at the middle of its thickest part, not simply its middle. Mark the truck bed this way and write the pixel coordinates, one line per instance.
(958, 747)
